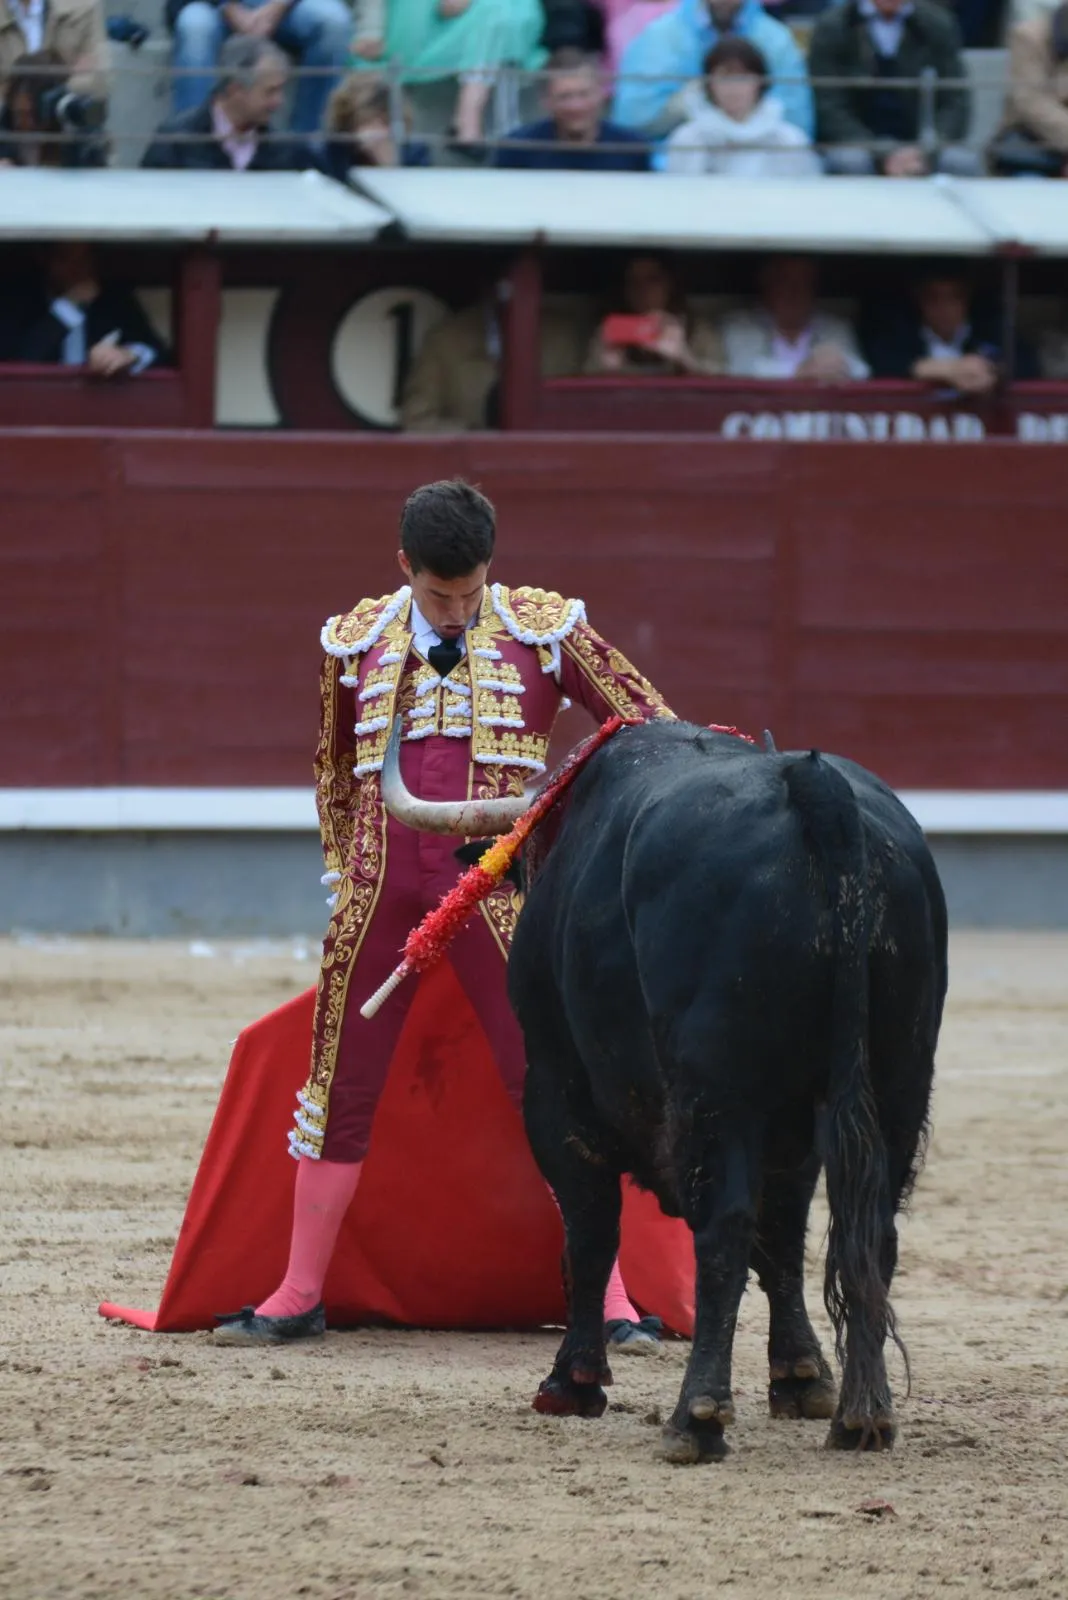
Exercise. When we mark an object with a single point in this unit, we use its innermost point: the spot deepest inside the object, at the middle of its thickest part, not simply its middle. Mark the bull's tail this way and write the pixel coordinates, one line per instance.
(856, 1288)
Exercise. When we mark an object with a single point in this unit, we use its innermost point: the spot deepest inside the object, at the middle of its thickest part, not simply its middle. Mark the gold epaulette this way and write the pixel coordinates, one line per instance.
(536, 616)
(355, 631)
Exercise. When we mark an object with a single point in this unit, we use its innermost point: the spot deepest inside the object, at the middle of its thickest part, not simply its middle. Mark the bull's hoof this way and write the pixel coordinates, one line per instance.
(802, 1389)
(692, 1445)
(862, 1433)
(580, 1395)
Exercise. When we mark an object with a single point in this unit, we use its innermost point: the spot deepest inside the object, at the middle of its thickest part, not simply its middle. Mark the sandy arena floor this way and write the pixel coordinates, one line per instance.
(160, 1467)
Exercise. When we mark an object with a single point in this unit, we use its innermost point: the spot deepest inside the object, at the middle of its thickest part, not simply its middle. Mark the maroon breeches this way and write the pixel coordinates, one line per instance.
(420, 868)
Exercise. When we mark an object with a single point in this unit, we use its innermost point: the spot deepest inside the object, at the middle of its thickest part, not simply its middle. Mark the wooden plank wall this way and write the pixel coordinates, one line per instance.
(907, 605)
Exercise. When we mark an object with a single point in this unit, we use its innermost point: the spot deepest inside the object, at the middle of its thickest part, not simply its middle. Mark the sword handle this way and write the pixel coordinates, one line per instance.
(384, 990)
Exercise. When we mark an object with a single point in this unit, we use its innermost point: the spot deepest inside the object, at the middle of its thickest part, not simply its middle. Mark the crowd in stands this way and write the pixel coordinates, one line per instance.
(783, 88)
(747, 87)
(939, 333)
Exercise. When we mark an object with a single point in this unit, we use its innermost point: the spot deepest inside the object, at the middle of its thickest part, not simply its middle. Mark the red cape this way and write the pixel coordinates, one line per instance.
(452, 1225)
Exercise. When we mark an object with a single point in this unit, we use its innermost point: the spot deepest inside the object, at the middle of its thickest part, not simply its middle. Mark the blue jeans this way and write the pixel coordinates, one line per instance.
(315, 32)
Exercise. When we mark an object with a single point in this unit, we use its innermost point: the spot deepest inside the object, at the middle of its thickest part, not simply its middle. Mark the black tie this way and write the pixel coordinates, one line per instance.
(444, 656)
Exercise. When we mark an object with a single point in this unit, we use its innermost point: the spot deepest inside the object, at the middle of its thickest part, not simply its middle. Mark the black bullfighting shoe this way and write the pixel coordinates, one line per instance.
(245, 1327)
(641, 1338)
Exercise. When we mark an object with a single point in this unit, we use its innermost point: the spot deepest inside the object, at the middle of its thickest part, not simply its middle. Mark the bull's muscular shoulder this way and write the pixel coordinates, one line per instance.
(536, 616)
(357, 630)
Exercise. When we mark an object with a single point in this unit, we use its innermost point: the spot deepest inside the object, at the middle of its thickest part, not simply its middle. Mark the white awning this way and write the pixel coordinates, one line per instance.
(1012, 212)
(231, 207)
(672, 212)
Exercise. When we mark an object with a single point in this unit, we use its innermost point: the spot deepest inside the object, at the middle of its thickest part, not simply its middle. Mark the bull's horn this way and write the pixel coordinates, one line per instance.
(474, 818)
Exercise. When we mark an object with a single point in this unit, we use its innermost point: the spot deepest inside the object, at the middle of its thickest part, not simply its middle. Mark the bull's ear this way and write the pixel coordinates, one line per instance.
(471, 853)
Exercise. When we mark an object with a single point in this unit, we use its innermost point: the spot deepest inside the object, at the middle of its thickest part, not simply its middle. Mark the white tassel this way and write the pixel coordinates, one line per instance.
(374, 690)
(491, 758)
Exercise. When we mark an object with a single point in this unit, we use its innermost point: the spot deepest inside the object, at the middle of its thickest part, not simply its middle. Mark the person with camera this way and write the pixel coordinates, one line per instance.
(85, 322)
(649, 332)
(44, 123)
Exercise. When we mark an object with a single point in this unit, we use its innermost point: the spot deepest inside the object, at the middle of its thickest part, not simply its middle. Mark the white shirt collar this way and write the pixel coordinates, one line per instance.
(30, 16)
(885, 31)
(424, 636)
(946, 349)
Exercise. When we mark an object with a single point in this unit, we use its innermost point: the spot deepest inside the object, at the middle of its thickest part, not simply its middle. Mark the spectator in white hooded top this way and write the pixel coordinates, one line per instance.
(740, 129)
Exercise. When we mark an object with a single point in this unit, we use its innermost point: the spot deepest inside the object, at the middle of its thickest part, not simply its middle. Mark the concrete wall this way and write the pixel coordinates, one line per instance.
(267, 885)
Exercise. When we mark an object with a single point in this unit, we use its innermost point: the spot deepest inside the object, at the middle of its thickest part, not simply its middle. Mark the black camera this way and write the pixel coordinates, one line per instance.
(60, 110)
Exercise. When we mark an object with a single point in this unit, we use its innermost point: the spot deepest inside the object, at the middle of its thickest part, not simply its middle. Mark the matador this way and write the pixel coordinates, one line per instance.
(478, 672)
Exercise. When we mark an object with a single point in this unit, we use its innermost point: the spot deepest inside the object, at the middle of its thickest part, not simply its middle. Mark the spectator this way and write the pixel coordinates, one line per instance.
(74, 29)
(1053, 353)
(465, 39)
(670, 52)
(1035, 140)
(360, 133)
(86, 323)
(786, 336)
(314, 32)
(43, 123)
(452, 386)
(883, 128)
(573, 25)
(941, 338)
(231, 131)
(575, 136)
(625, 20)
(740, 130)
(671, 342)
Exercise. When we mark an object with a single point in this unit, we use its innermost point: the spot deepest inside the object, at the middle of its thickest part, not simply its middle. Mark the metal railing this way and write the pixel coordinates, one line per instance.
(120, 125)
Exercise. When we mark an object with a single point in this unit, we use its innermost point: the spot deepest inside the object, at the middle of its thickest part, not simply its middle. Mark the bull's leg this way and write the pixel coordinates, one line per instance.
(587, 1190)
(722, 1214)
(801, 1383)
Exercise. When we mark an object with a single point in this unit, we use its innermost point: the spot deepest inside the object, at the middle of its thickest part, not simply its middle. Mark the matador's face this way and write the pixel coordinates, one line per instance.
(448, 604)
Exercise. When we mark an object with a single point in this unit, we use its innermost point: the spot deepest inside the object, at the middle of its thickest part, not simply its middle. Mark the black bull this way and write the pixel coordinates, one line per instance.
(729, 970)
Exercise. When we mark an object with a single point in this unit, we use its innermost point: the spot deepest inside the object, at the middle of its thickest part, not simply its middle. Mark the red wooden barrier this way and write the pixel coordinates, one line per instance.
(161, 594)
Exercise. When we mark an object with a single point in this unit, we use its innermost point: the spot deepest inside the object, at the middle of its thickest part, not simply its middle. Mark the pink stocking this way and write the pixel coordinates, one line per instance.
(616, 1303)
(323, 1194)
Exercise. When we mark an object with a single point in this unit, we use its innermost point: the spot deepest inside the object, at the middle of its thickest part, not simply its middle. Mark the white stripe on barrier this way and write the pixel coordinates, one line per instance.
(939, 811)
(220, 810)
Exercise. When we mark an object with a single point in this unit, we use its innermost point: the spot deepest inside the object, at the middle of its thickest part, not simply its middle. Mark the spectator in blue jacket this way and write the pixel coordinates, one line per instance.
(575, 136)
(668, 55)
